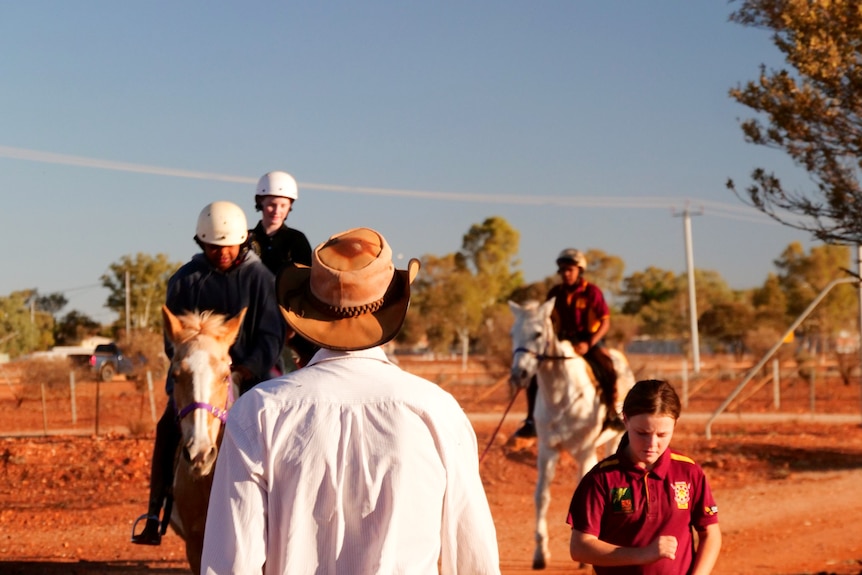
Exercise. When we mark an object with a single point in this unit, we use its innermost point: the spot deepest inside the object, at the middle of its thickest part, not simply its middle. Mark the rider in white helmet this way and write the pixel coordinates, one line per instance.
(280, 246)
(225, 278)
(581, 316)
(275, 243)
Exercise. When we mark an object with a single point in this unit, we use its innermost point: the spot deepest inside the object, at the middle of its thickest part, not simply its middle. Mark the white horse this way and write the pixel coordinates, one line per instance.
(569, 411)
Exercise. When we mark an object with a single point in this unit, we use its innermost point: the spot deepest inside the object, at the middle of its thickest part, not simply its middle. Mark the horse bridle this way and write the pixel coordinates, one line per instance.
(541, 356)
(218, 412)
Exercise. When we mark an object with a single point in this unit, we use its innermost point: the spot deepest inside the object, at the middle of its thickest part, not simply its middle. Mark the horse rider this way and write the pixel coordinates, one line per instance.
(581, 316)
(225, 278)
(280, 246)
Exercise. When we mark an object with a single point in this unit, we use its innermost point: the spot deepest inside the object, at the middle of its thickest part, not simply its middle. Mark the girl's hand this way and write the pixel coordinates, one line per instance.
(665, 547)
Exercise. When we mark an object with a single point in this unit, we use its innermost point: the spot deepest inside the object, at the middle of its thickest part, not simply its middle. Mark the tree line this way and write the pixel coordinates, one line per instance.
(459, 302)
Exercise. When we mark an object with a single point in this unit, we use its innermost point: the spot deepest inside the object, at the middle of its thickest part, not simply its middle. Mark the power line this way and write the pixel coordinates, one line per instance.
(80, 288)
(719, 209)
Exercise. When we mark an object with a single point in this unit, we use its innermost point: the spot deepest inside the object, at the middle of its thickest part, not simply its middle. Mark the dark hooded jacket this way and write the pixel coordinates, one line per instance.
(198, 286)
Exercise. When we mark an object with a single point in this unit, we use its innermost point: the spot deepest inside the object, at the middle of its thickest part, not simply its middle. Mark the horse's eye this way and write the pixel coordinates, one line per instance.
(537, 335)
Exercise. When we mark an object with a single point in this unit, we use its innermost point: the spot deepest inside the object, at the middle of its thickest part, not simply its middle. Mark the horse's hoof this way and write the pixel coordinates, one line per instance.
(520, 443)
(538, 564)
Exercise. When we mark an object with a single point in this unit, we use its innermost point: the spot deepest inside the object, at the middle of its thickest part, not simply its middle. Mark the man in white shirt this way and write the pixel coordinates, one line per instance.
(349, 465)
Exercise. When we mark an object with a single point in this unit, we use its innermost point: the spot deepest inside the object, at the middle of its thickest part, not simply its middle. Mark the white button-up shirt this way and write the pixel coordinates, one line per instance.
(349, 465)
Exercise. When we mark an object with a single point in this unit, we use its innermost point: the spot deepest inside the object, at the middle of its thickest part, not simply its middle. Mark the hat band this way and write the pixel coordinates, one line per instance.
(342, 311)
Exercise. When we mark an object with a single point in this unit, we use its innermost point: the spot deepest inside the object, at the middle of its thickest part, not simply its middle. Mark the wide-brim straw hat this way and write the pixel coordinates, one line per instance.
(351, 297)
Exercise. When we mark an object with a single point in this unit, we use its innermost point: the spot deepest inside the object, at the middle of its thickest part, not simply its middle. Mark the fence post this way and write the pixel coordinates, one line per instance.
(685, 383)
(98, 393)
(152, 399)
(72, 395)
(44, 409)
(811, 388)
(776, 385)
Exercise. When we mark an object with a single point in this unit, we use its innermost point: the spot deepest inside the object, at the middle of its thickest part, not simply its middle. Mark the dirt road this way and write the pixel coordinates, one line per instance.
(787, 495)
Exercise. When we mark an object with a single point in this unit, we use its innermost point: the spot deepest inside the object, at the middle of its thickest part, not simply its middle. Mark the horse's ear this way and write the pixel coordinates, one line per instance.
(172, 324)
(514, 306)
(234, 324)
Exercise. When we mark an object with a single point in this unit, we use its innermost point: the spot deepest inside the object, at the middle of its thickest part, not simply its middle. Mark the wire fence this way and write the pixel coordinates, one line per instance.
(72, 404)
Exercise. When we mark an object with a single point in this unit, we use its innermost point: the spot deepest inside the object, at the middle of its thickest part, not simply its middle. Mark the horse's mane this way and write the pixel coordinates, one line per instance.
(197, 323)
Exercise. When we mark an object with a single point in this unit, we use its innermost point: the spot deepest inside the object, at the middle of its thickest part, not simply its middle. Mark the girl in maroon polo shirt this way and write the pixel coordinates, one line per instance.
(633, 513)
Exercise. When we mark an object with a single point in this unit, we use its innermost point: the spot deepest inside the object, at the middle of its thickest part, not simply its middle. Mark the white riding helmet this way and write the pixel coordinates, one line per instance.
(572, 256)
(279, 184)
(222, 224)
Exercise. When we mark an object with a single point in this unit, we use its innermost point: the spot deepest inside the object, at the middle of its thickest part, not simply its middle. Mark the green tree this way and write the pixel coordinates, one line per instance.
(23, 329)
(489, 250)
(770, 304)
(812, 111)
(803, 276)
(51, 303)
(658, 299)
(447, 300)
(537, 291)
(606, 271)
(458, 296)
(727, 324)
(74, 327)
(649, 287)
(148, 281)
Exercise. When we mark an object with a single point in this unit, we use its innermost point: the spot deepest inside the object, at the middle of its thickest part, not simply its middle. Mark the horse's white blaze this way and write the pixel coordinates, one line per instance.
(569, 412)
(199, 364)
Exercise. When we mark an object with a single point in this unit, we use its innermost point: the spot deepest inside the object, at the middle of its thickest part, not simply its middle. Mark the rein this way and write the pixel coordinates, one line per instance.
(499, 425)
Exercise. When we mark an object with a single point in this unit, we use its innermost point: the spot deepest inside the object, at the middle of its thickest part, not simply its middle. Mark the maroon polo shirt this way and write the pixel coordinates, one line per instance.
(628, 506)
(578, 310)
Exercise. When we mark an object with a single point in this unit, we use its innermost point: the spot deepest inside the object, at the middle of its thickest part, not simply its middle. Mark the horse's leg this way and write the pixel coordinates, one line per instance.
(191, 501)
(609, 440)
(547, 465)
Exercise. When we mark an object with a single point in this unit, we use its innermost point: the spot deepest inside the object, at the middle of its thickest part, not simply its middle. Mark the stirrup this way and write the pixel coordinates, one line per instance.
(148, 536)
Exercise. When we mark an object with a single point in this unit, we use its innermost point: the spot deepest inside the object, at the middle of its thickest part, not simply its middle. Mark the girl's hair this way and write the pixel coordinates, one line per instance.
(653, 397)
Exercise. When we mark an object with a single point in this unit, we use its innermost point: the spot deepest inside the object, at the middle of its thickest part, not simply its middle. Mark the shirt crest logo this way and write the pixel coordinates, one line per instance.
(622, 500)
(681, 494)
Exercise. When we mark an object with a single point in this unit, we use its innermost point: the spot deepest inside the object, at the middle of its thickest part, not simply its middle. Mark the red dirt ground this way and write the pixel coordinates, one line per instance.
(787, 490)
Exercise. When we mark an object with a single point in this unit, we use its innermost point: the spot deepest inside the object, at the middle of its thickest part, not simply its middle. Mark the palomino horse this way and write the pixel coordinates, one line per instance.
(569, 412)
(203, 393)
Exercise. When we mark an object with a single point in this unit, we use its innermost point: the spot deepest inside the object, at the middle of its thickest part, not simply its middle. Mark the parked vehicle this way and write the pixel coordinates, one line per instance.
(108, 360)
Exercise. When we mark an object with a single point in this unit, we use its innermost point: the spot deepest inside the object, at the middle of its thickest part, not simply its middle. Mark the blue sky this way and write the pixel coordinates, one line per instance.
(587, 124)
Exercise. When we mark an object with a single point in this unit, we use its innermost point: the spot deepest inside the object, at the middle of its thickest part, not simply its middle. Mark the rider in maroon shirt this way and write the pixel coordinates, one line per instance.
(581, 316)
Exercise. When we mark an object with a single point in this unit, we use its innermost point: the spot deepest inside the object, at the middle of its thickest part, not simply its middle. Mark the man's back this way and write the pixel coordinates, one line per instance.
(360, 467)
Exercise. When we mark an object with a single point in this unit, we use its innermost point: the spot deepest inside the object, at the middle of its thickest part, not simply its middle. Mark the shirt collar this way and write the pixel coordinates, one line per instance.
(330, 355)
(660, 468)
